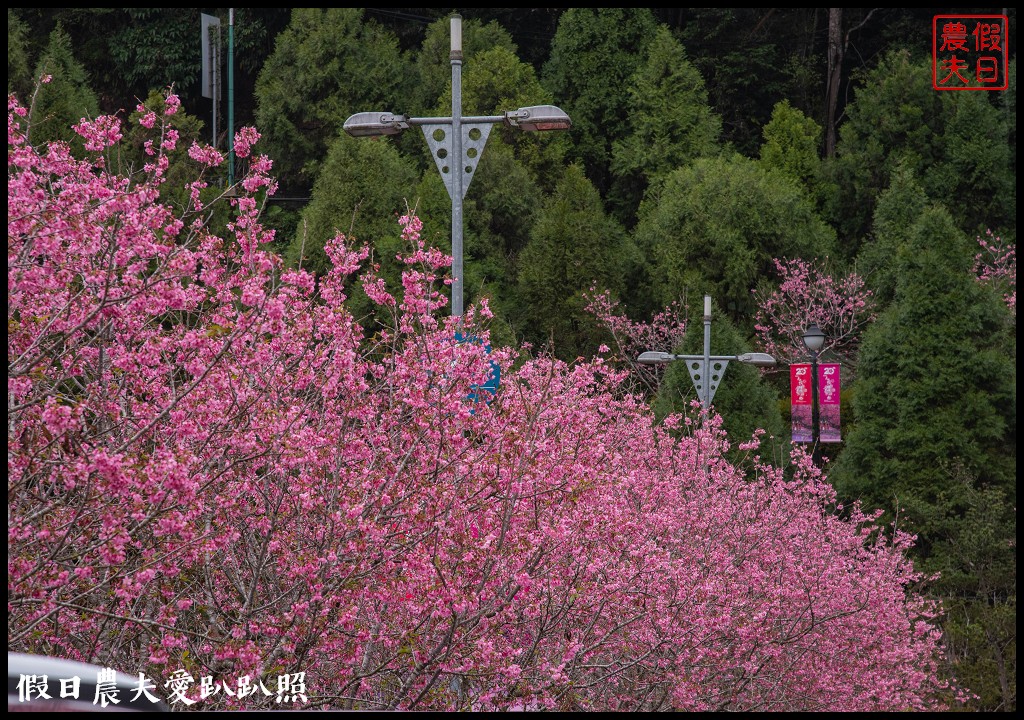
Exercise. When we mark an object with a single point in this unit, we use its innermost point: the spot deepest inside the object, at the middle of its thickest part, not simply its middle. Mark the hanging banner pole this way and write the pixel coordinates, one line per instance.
(210, 28)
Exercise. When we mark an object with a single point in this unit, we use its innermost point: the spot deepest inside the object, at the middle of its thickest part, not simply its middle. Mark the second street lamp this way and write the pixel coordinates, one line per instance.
(706, 370)
(456, 144)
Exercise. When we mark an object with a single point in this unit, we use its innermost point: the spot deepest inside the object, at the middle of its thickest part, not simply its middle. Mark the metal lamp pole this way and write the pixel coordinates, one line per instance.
(457, 144)
(814, 340)
(456, 191)
(706, 370)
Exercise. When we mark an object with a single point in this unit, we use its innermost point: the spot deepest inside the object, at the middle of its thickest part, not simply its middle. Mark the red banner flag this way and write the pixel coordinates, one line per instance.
(801, 402)
(828, 402)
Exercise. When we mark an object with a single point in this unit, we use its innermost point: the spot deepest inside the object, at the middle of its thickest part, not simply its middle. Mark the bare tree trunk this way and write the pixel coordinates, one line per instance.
(835, 72)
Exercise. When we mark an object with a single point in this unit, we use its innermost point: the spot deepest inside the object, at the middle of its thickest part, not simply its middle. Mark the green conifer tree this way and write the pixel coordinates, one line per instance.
(574, 246)
(956, 143)
(899, 207)
(714, 227)
(364, 186)
(18, 80)
(593, 57)
(64, 99)
(327, 64)
(670, 123)
(791, 141)
(934, 442)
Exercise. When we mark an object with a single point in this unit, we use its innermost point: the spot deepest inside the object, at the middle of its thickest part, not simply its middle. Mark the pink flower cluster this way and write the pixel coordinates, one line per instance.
(664, 332)
(808, 293)
(997, 264)
(205, 155)
(244, 140)
(100, 133)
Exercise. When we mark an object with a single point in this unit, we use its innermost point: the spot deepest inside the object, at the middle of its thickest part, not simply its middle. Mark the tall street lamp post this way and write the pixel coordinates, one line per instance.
(706, 370)
(814, 340)
(456, 143)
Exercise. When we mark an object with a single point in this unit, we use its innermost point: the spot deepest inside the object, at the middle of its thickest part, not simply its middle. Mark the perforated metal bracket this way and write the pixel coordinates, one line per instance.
(706, 378)
(439, 140)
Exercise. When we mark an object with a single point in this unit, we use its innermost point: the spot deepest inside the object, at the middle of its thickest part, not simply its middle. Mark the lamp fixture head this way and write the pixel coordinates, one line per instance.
(757, 359)
(372, 124)
(814, 338)
(538, 118)
(655, 358)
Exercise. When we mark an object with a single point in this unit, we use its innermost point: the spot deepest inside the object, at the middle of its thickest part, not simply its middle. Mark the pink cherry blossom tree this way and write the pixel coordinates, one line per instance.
(808, 292)
(663, 333)
(996, 263)
(216, 479)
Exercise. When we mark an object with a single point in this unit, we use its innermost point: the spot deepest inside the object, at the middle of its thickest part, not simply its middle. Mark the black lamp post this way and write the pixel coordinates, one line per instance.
(814, 340)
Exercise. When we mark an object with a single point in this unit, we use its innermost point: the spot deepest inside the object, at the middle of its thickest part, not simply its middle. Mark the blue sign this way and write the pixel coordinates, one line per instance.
(489, 386)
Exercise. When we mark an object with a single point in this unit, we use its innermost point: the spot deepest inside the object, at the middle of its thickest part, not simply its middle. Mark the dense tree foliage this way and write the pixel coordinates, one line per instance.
(954, 142)
(1009, 108)
(753, 57)
(574, 247)
(791, 142)
(897, 209)
(63, 97)
(327, 64)
(669, 123)
(594, 56)
(934, 440)
(18, 79)
(152, 47)
(715, 225)
(364, 186)
(502, 208)
(942, 330)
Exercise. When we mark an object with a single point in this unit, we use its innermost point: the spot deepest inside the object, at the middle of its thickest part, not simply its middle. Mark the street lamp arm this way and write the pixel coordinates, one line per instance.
(528, 119)
(466, 119)
(757, 359)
